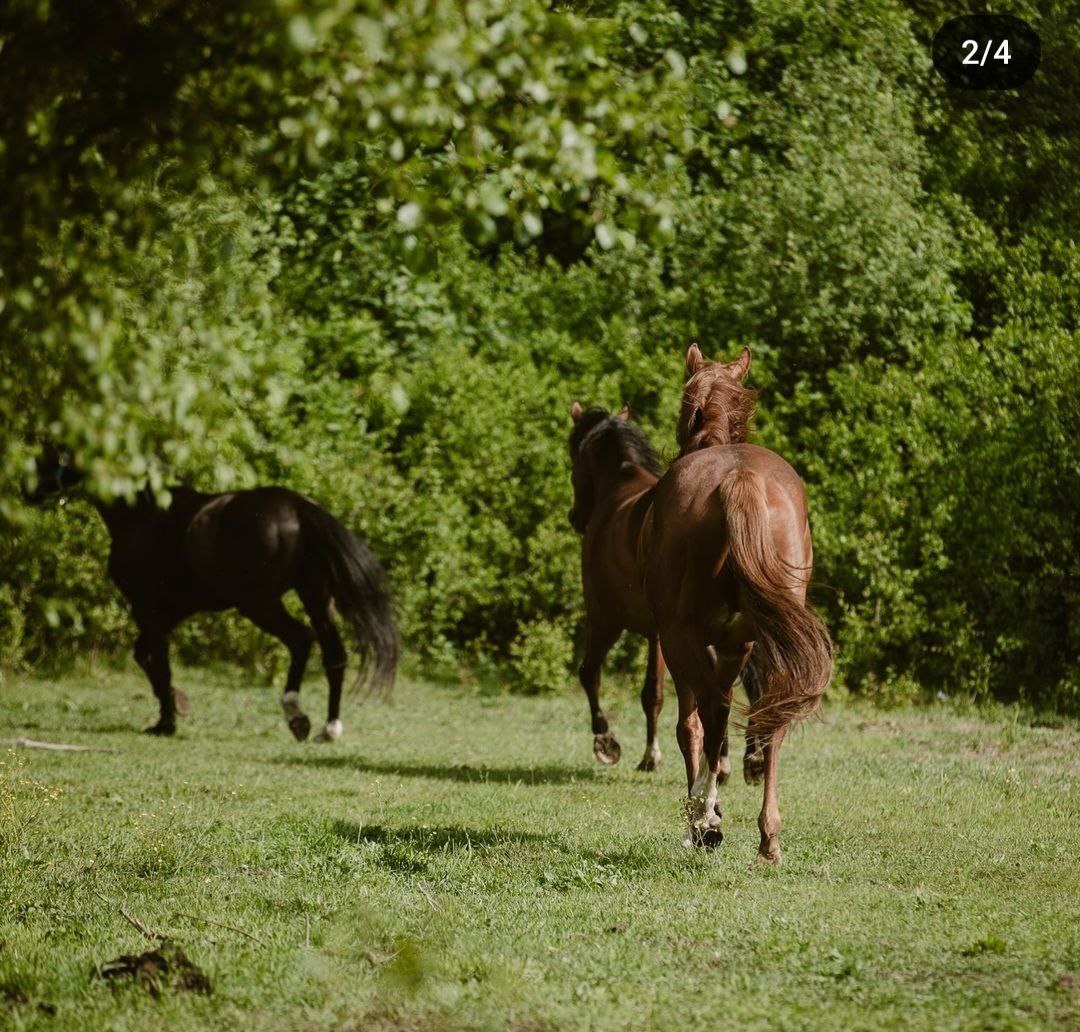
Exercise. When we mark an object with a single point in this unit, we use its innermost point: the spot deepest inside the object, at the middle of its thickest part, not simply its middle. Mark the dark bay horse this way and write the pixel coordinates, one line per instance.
(243, 550)
(614, 470)
(727, 555)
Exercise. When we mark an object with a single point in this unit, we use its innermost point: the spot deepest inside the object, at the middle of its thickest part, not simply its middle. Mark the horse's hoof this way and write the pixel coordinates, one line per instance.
(649, 763)
(181, 703)
(724, 771)
(772, 859)
(712, 838)
(161, 728)
(706, 838)
(753, 768)
(300, 726)
(606, 748)
(330, 733)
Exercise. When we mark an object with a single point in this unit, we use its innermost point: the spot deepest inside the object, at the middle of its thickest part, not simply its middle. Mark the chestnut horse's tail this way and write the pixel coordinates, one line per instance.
(792, 655)
(357, 582)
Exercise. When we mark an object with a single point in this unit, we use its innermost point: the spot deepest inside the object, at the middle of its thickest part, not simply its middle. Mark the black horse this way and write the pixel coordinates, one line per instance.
(243, 550)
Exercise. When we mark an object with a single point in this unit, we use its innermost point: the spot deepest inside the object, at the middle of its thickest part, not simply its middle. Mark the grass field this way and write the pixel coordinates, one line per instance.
(458, 861)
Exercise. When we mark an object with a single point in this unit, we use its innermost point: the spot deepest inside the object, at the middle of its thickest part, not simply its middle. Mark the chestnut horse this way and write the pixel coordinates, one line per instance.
(614, 470)
(727, 556)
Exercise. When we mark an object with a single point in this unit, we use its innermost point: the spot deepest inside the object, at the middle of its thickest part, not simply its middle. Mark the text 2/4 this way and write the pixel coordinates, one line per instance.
(986, 52)
(1001, 54)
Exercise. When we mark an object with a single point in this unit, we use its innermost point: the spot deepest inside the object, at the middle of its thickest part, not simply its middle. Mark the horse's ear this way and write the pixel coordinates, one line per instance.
(694, 360)
(624, 413)
(738, 369)
(576, 411)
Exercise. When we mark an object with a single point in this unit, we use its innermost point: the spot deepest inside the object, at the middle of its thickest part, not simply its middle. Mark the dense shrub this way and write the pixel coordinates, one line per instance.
(906, 281)
(943, 519)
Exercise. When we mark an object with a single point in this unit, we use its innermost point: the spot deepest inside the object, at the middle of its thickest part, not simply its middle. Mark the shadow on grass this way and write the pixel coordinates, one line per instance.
(419, 850)
(56, 728)
(542, 774)
(559, 863)
(439, 839)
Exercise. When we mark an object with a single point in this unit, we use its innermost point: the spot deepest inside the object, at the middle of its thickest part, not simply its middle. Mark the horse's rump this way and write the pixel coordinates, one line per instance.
(792, 648)
(250, 545)
(357, 582)
(728, 555)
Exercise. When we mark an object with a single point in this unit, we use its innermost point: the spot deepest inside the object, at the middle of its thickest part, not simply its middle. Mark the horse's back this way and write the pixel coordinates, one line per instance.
(245, 543)
(697, 475)
(688, 535)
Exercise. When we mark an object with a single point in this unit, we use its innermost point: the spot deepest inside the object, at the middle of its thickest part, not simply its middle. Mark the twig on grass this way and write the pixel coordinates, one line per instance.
(377, 959)
(427, 895)
(133, 921)
(220, 924)
(140, 927)
(30, 743)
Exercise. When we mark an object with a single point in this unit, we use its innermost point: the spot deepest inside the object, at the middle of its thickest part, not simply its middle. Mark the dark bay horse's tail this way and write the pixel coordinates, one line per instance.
(792, 657)
(358, 584)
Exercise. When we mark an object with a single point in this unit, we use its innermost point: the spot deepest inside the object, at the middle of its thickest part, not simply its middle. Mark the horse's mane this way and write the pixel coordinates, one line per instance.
(632, 443)
(727, 409)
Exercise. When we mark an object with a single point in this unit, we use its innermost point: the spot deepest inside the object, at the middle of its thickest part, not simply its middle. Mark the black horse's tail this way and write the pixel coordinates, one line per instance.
(359, 587)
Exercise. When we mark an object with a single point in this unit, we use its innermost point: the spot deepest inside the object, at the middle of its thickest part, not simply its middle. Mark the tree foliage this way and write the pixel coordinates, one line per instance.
(374, 251)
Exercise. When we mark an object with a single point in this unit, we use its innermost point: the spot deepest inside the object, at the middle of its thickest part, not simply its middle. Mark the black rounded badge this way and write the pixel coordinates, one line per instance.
(986, 52)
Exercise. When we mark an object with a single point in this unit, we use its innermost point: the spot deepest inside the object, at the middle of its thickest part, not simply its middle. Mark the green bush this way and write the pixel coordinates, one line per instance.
(942, 505)
(277, 298)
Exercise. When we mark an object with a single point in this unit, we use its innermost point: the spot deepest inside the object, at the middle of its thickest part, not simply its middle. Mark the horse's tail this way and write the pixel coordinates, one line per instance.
(359, 587)
(792, 657)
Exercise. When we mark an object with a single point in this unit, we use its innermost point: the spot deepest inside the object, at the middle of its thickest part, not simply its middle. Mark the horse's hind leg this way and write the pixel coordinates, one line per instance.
(297, 638)
(769, 818)
(695, 672)
(754, 757)
(688, 733)
(723, 770)
(598, 642)
(652, 701)
(152, 654)
(318, 606)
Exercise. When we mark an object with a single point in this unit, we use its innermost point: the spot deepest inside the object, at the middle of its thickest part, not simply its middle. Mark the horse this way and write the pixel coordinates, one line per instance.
(612, 489)
(244, 550)
(727, 557)
(719, 409)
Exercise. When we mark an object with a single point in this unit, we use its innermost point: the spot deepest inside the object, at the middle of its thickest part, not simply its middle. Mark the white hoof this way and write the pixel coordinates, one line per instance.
(330, 733)
(651, 759)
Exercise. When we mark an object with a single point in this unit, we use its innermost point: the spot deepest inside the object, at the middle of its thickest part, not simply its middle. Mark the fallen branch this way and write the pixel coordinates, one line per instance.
(133, 921)
(140, 927)
(30, 743)
(427, 895)
(220, 924)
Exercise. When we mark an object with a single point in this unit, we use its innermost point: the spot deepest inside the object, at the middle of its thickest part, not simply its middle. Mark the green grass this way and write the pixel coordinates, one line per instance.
(458, 861)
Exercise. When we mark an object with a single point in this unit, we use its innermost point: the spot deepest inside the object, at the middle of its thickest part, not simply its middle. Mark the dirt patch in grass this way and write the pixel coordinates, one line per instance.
(13, 996)
(164, 969)
(1069, 983)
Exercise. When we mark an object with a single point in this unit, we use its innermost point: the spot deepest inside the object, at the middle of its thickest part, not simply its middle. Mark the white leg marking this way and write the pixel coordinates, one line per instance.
(702, 806)
(703, 775)
(710, 796)
(290, 704)
(330, 733)
(703, 801)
